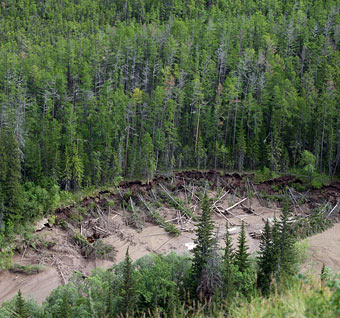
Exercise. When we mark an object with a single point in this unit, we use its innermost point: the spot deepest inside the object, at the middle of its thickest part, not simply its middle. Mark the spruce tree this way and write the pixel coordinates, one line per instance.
(127, 293)
(211, 281)
(244, 276)
(204, 243)
(65, 310)
(266, 260)
(286, 247)
(20, 310)
(109, 310)
(10, 176)
(242, 255)
(227, 266)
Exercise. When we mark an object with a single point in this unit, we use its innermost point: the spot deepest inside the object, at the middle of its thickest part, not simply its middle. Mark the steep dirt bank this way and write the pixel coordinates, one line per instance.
(125, 217)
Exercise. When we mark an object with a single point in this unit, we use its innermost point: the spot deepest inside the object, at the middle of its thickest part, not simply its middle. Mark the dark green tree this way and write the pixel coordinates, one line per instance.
(65, 309)
(11, 199)
(228, 268)
(109, 305)
(127, 291)
(20, 310)
(244, 275)
(286, 244)
(242, 256)
(265, 261)
(204, 243)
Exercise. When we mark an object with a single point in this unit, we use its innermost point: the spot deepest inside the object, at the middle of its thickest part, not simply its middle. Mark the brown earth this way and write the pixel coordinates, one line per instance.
(110, 223)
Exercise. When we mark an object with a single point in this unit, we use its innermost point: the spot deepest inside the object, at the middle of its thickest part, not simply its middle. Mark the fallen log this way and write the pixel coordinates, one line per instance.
(235, 205)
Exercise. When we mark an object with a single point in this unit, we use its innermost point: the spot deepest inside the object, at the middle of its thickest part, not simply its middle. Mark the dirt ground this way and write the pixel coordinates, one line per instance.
(61, 260)
(324, 248)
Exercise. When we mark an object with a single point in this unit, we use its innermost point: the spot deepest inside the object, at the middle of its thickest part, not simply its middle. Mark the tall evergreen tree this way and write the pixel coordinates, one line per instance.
(204, 243)
(65, 309)
(228, 269)
(10, 177)
(286, 244)
(266, 261)
(242, 255)
(127, 292)
(20, 310)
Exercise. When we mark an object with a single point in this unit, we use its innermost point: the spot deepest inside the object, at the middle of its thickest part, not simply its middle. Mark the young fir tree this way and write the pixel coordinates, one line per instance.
(204, 243)
(266, 261)
(20, 310)
(286, 244)
(242, 255)
(127, 293)
(228, 267)
(109, 305)
(211, 280)
(65, 310)
(244, 275)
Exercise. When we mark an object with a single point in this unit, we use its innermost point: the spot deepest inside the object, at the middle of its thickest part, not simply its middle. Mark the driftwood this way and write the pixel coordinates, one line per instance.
(256, 235)
(166, 191)
(235, 205)
(329, 214)
(59, 270)
(256, 194)
(295, 201)
(221, 214)
(249, 210)
(192, 193)
(219, 199)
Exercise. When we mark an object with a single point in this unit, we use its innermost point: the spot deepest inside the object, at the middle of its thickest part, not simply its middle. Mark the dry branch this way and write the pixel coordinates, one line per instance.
(235, 205)
(329, 214)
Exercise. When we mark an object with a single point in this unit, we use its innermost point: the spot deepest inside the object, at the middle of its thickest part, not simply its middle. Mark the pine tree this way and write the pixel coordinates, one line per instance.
(227, 266)
(20, 310)
(287, 256)
(211, 280)
(242, 255)
(244, 276)
(128, 292)
(65, 310)
(284, 253)
(10, 176)
(109, 310)
(266, 261)
(204, 243)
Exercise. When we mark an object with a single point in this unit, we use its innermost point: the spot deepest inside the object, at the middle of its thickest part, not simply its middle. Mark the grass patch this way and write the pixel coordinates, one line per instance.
(26, 269)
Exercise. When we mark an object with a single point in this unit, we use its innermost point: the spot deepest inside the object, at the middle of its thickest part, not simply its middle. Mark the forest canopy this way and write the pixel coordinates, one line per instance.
(93, 90)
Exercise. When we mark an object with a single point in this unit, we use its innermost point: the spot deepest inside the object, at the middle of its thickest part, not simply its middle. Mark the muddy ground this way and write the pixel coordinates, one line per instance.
(120, 218)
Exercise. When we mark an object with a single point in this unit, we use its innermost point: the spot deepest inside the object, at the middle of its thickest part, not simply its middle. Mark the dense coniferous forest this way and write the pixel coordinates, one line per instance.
(94, 90)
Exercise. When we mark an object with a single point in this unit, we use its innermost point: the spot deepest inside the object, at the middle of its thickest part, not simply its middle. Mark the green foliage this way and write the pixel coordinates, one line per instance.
(228, 268)
(26, 269)
(204, 243)
(308, 162)
(128, 289)
(131, 88)
(95, 90)
(285, 258)
(97, 249)
(266, 261)
(244, 275)
(242, 256)
(20, 310)
(169, 227)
